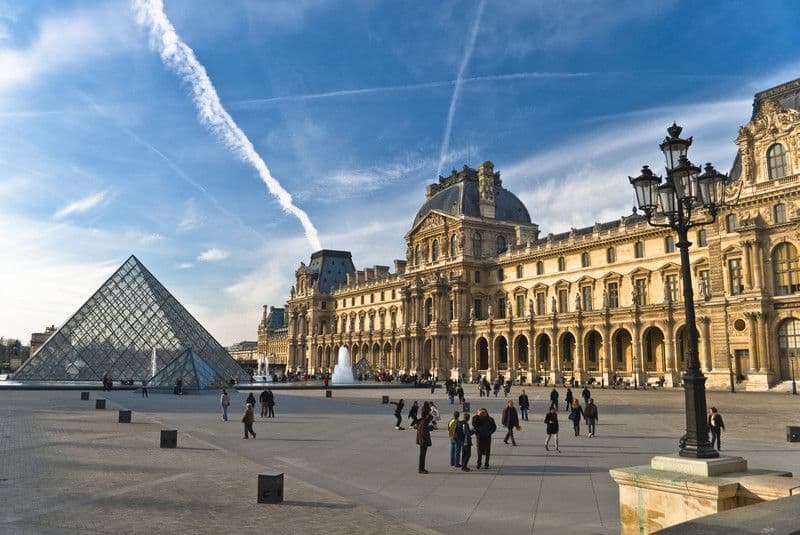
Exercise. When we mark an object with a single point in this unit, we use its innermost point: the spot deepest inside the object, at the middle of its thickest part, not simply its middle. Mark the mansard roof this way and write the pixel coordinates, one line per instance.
(331, 268)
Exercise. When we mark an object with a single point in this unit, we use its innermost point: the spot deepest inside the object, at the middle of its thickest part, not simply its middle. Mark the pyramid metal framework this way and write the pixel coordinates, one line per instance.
(190, 368)
(116, 330)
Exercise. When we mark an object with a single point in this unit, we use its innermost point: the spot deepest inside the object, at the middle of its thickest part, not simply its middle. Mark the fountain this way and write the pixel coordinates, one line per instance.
(263, 375)
(343, 371)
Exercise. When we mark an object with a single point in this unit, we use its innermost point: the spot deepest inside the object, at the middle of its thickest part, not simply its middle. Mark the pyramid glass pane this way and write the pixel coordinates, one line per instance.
(190, 368)
(115, 332)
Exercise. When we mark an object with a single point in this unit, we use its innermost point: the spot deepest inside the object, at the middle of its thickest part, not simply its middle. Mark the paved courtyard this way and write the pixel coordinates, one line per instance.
(66, 467)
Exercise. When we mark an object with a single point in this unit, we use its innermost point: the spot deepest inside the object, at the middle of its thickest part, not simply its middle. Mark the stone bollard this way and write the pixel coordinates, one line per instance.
(124, 417)
(84, 396)
(793, 433)
(169, 438)
(328, 394)
(270, 487)
(385, 400)
(100, 403)
(465, 406)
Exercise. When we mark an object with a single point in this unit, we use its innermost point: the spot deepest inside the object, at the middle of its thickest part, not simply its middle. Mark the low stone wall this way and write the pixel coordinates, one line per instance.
(776, 517)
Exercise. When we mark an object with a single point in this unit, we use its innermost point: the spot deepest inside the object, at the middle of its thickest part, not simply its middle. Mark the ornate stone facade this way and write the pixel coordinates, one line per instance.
(481, 293)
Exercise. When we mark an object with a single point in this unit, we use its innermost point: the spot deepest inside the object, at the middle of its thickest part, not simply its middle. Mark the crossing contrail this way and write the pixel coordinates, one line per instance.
(457, 89)
(179, 57)
(249, 103)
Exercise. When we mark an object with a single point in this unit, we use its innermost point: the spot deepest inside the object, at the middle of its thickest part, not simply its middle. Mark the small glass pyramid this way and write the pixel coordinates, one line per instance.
(115, 332)
(190, 368)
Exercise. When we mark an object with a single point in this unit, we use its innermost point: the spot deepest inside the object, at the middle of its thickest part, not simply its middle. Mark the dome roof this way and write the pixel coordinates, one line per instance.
(458, 195)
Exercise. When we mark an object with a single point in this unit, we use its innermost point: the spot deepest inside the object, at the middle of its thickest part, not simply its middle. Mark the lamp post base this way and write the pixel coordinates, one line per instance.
(695, 443)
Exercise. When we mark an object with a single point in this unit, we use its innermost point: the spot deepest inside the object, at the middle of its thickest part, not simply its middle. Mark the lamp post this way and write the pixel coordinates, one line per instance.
(676, 204)
(635, 375)
(794, 383)
(730, 370)
(602, 372)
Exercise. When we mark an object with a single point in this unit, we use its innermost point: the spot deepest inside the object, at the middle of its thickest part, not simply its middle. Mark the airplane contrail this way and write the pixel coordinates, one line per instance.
(249, 103)
(179, 57)
(457, 89)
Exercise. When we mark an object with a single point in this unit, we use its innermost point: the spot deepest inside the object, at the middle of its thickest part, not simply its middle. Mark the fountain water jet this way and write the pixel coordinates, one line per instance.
(343, 371)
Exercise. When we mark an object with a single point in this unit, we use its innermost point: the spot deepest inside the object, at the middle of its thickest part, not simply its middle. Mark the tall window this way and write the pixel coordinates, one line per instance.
(705, 283)
(477, 305)
(585, 259)
(501, 307)
(779, 213)
(671, 289)
(519, 271)
(540, 303)
(586, 297)
(452, 310)
(563, 300)
(435, 250)
(562, 264)
(641, 291)
(613, 295)
(417, 258)
(669, 244)
(785, 264)
(730, 223)
(501, 244)
(611, 255)
(382, 295)
(735, 275)
(638, 249)
(776, 161)
(453, 245)
(520, 306)
(702, 240)
(540, 268)
(477, 276)
(501, 275)
(476, 244)
(393, 295)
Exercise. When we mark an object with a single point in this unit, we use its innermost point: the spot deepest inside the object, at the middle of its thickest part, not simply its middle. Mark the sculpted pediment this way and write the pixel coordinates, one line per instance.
(433, 220)
(771, 120)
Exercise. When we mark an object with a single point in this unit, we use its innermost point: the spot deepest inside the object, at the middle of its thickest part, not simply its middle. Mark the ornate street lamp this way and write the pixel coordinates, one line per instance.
(676, 203)
(794, 383)
(635, 375)
(730, 371)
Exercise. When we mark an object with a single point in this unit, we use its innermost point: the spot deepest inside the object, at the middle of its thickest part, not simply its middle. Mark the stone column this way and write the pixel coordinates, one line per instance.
(748, 275)
(758, 261)
(491, 372)
(580, 357)
(608, 354)
(763, 356)
(636, 353)
(705, 323)
(753, 342)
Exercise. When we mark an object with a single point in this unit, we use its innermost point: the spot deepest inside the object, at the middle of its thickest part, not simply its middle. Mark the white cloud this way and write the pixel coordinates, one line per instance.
(185, 265)
(82, 205)
(191, 218)
(212, 255)
(64, 40)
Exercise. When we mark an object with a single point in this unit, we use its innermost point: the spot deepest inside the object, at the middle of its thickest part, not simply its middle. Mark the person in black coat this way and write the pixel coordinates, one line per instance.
(575, 414)
(524, 405)
(424, 440)
(554, 398)
(263, 399)
(251, 399)
(568, 398)
(586, 395)
(510, 421)
(460, 394)
(484, 427)
(551, 422)
(464, 435)
(412, 414)
(398, 413)
(270, 404)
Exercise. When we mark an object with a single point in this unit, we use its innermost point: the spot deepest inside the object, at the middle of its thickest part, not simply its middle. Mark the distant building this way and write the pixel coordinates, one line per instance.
(273, 337)
(38, 339)
(245, 353)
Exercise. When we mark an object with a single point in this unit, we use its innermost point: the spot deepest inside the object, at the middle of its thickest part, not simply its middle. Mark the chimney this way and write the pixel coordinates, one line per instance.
(486, 178)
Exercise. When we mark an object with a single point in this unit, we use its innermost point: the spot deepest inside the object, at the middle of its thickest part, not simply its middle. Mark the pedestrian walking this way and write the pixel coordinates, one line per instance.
(224, 401)
(460, 394)
(507, 387)
(455, 445)
(144, 389)
(496, 387)
(568, 398)
(554, 398)
(251, 399)
(270, 404)
(484, 427)
(248, 418)
(412, 414)
(433, 386)
(551, 422)
(590, 412)
(464, 435)
(263, 399)
(423, 440)
(524, 405)
(586, 395)
(435, 415)
(510, 421)
(575, 414)
(398, 413)
(451, 394)
(716, 426)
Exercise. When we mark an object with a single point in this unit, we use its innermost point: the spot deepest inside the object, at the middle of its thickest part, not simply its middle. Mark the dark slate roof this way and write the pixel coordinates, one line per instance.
(460, 197)
(275, 319)
(331, 268)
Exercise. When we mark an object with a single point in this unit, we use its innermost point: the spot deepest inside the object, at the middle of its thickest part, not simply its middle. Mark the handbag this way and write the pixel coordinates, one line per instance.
(572, 415)
(519, 428)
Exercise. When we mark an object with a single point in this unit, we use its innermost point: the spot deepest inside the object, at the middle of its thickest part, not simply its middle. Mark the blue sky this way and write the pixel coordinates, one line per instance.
(102, 154)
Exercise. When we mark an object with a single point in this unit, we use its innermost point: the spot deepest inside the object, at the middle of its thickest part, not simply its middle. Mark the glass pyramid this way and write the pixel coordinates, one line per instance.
(188, 366)
(116, 331)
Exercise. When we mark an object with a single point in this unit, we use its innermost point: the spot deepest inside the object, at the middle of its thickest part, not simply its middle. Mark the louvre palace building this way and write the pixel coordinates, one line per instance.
(483, 291)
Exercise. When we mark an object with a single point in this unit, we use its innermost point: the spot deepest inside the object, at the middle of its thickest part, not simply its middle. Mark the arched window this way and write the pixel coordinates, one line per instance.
(787, 274)
(585, 259)
(476, 244)
(611, 255)
(501, 244)
(669, 244)
(417, 259)
(776, 161)
(562, 264)
(435, 250)
(453, 245)
(540, 268)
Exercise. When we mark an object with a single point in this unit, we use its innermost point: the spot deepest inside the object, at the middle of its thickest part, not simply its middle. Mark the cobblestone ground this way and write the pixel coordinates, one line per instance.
(66, 467)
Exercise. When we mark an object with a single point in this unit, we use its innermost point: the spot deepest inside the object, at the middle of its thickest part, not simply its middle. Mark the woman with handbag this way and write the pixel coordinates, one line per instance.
(551, 421)
(575, 414)
(510, 421)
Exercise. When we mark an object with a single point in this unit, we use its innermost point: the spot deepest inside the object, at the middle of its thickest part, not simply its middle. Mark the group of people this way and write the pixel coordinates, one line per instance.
(486, 389)
(577, 412)
(267, 399)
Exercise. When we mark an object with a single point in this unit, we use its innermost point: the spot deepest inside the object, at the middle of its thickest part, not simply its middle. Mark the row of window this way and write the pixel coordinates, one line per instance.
(371, 299)
(501, 245)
